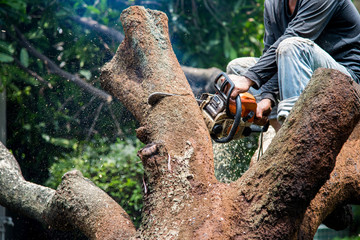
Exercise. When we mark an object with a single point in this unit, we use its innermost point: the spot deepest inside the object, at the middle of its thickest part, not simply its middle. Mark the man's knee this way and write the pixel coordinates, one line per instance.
(293, 44)
(239, 66)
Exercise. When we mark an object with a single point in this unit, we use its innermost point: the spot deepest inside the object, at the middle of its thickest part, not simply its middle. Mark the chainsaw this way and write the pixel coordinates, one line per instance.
(228, 119)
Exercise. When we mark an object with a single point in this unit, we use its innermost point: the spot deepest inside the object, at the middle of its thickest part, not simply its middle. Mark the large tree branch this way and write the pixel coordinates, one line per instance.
(16, 193)
(267, 202)
(144, 64)
(342, 188)
(77, 203)
(178, 162)
(57, 70)
(271, 198)
(300, 157)
(82, 205)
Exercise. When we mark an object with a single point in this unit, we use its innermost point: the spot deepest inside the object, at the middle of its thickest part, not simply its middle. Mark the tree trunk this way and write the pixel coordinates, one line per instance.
(270, 200)
(277, 198)
(77, 203)
(342, 188)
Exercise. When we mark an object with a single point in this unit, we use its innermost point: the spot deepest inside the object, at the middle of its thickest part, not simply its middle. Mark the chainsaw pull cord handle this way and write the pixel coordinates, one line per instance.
(237, 116)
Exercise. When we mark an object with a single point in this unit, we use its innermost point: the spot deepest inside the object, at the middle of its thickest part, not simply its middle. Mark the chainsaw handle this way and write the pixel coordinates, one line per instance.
(235, 125)
(259, 129)
(237, 116)
(221, 90)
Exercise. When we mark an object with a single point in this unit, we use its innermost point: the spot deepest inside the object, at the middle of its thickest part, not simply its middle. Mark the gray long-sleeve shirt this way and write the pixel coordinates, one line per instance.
(332, 24)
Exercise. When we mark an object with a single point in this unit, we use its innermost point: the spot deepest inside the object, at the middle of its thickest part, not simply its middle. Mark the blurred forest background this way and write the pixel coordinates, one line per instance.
(51, 52)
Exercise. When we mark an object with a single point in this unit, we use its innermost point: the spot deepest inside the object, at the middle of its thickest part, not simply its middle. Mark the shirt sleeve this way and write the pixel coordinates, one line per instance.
(269, 37)
(270, 90)
(309, 22)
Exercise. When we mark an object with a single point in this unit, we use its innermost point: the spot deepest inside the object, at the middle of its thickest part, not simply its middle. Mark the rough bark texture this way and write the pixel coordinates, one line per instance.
(200, 79)
(302, 155)
(269, 201)
(77, 203)
(342, 188)
(181, 163)
(16, 193)
(82, 205)
(183, 199)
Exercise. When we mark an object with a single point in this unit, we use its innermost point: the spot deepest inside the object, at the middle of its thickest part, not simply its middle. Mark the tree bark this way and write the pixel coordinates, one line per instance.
(77, 203)
(270, 200)
(342, 188)
(183, 199)
(16, 193)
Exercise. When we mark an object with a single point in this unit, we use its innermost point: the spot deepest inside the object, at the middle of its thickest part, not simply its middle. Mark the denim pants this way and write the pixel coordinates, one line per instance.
(297, 58)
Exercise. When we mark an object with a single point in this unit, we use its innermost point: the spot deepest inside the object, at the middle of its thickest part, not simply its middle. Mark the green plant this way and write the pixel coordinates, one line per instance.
(348, 238)
(115, 168)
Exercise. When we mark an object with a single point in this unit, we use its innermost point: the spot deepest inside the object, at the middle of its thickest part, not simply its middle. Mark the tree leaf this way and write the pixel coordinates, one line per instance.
(86, 74)
(6, 47)
(6, 58)
(93, 10)
(24, 57)
(233, 53)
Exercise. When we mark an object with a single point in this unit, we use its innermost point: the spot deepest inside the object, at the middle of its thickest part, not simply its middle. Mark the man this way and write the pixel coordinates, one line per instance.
(300, 36)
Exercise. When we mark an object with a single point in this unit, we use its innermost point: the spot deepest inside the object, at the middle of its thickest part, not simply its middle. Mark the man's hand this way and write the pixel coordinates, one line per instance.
(242, 84)
(263, 110)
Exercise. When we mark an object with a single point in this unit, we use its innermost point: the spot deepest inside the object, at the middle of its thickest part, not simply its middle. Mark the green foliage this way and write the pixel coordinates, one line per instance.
(44, 122)
(13, 9)
(211, 33)
(348, 238)
(6, 58)
(115, 168)
(24, 57)
(6, 51)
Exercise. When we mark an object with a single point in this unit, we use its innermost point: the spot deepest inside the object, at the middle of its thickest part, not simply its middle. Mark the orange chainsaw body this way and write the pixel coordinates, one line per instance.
(227, 118)
(248, 104)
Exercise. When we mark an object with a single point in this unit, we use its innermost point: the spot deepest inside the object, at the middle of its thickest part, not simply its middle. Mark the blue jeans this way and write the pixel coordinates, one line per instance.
(297, 58)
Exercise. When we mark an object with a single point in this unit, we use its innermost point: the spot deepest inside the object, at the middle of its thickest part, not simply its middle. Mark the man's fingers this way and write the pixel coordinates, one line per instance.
(242, 84)
(234, 94)
(260, 121)
(259, 113)
(262, 112)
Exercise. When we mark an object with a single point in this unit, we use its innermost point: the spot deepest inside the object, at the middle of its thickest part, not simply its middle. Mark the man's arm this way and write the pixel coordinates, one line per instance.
(270, 90)
(311, 19)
